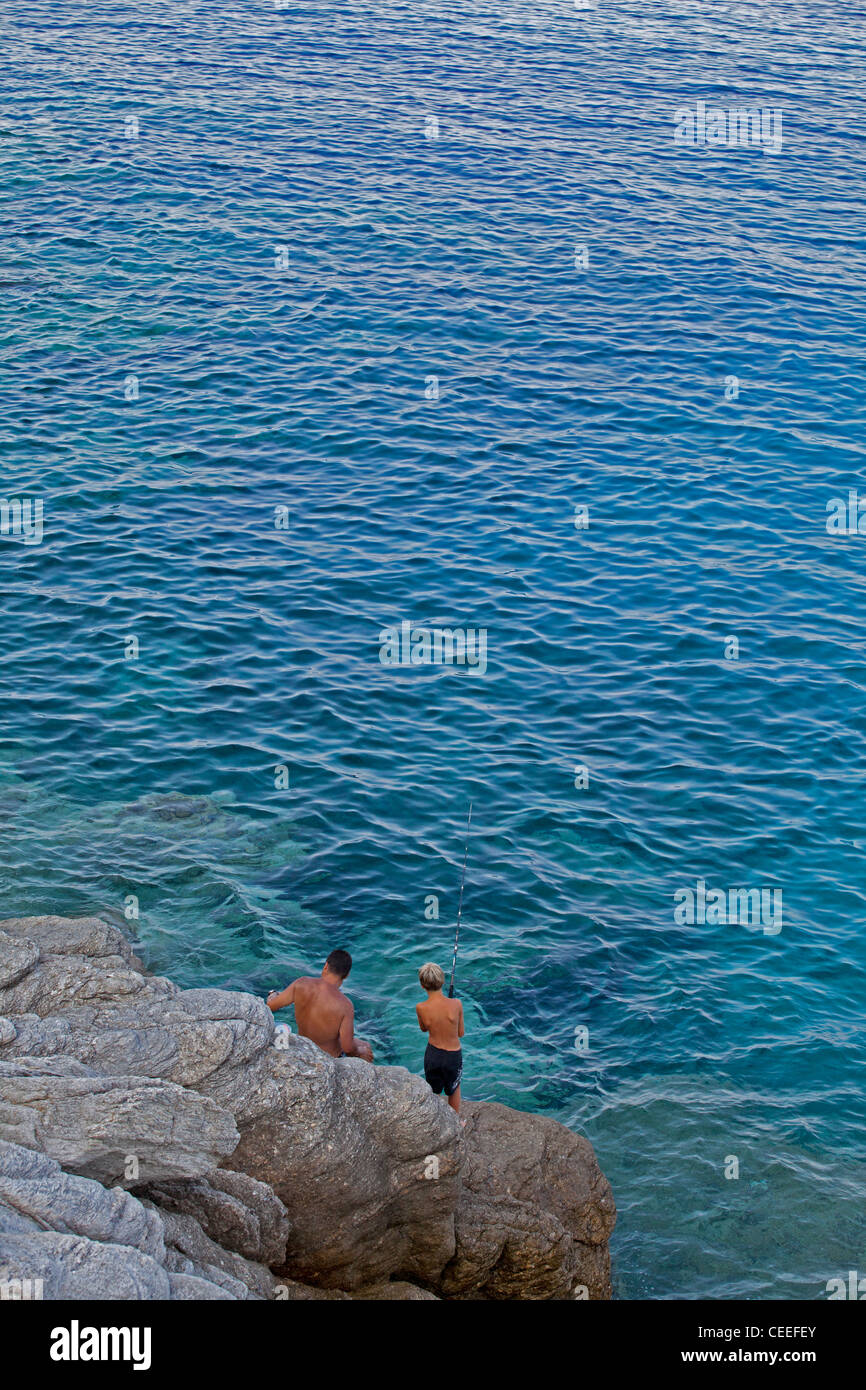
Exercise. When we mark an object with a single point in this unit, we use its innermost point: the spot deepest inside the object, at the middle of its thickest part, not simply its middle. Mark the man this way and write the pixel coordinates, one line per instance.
(442, 1019)
(322, 1011)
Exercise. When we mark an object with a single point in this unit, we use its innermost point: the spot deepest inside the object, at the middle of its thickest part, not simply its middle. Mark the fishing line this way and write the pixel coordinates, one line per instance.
(460, 907)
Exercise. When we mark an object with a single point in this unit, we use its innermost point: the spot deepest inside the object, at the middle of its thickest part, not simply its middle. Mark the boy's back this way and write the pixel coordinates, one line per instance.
(442, 1019)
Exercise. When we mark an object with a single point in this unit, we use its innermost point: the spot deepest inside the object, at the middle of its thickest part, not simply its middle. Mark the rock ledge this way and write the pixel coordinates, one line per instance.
(155, 1144)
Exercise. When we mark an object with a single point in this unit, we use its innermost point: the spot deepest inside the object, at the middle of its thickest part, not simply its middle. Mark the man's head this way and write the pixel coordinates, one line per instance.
(432, 977)
(339, 963)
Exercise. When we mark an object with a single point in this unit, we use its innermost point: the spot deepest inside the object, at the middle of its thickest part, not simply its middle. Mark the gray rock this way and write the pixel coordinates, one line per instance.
(537, 1160)
(32, 1036)
(61, 982)
(71, 936)
(241, 1278)
(53, 1227)
(93, 1125)
(235, 1210)
(293, 1291)
(17, 958)
(72, 1267)
(535, 1212)
(194, 1289)
(508, 1250)
(34, 1189)
(350, 1180)
(397, 1291)
(120, 1022)
(350, 1151)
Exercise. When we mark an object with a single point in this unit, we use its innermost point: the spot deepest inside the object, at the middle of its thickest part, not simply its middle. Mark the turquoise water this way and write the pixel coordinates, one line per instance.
(415, 254)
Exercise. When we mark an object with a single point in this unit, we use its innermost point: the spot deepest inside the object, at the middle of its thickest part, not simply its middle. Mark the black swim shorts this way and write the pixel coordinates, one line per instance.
(442, 1069)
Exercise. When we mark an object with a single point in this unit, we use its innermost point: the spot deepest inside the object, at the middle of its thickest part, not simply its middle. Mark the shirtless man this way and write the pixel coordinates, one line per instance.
(442, 1019)
(322, 1011)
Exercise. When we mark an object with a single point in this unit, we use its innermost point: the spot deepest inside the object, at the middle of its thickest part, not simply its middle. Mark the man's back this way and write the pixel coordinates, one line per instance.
(319, 1012)
(441, 1018)
(322, 1011)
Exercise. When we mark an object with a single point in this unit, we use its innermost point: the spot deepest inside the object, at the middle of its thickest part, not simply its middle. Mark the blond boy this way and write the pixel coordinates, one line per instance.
(442, 1019)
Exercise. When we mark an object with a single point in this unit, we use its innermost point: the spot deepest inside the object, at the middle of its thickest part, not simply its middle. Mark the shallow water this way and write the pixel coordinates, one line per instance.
(154, 256)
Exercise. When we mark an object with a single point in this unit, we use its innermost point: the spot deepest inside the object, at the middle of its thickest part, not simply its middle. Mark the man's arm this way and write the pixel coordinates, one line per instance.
(460, 1027)
(421, 1024)
(347, 1028)
(279, 1000)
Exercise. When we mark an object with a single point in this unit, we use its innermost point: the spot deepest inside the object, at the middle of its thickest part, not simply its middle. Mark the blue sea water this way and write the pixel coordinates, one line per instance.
(160, 164)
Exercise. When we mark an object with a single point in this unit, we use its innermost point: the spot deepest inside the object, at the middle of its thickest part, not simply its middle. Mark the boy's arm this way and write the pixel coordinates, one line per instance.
(347, 1028)
(421, 1024)
(279, 1000)
(460, 1027)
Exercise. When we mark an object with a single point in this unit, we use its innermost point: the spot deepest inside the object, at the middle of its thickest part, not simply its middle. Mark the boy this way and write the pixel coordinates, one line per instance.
(442, 1018)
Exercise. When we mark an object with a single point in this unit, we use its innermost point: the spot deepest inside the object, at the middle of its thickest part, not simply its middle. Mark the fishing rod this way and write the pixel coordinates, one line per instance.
(460, 907)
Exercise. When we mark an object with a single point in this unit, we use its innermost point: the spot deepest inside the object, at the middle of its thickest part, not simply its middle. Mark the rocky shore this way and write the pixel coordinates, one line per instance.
(157, 1143)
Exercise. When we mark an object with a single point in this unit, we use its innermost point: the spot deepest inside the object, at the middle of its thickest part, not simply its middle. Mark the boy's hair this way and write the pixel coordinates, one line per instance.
(339, 963)
(431, 976)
